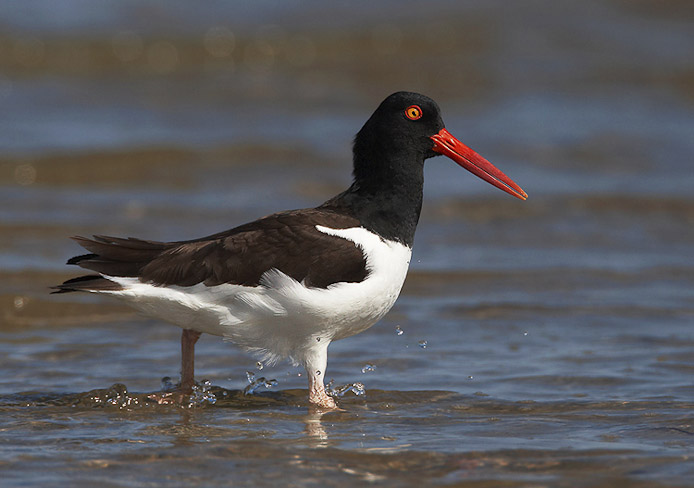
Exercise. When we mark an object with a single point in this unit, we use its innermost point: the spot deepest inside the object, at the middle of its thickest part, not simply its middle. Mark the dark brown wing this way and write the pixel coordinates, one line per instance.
(287, 241)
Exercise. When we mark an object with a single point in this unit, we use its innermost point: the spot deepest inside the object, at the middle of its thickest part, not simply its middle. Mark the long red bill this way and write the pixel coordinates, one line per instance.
(446, 144)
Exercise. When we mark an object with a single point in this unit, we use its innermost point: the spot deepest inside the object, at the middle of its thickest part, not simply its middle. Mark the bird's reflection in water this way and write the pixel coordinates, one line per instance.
(315, 432)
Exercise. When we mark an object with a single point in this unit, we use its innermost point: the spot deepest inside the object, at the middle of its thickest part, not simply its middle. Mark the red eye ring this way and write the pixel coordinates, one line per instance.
(413, 112)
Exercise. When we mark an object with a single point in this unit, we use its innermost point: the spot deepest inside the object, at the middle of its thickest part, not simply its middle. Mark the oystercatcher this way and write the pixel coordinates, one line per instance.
(287, 285)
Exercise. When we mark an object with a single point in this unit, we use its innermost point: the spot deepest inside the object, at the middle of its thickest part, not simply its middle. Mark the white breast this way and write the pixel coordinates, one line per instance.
(282, 317)
(386, 263)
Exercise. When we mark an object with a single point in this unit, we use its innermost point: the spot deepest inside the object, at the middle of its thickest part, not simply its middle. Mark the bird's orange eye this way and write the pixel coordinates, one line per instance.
(413, 112)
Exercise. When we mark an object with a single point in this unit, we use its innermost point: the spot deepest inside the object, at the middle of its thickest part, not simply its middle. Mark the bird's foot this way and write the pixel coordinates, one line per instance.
(319, 398)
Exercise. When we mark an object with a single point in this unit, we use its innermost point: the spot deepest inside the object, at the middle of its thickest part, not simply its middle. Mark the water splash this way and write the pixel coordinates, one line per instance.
(399, 331)
(254, 384)
(202, 394)
(423, 344)
(117, 396)
(339, 391)
(368, 367)
(259, 365)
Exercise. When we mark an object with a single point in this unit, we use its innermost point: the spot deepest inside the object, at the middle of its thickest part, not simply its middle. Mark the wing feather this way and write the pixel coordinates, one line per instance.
(287, 241)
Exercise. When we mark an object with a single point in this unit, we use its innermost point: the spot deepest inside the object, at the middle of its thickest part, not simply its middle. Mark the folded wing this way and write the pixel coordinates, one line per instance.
(287, 241)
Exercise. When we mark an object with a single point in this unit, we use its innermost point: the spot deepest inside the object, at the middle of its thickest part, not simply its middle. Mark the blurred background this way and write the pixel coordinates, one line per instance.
(170, 120)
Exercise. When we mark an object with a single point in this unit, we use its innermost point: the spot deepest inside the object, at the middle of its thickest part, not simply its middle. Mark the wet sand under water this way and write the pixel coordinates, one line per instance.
(540, 343)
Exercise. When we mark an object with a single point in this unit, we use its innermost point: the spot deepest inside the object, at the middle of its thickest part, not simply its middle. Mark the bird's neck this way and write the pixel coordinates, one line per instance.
(385, 197)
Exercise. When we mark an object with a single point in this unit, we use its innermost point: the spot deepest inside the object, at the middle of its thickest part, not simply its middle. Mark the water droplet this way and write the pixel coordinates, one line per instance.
(423, 344)
(318, 373)
(339, 391)
(317, 339)
(250, 388)
(116, 395)
(202, 393)
(469, 377)
(358, 389)
(250, 376)
(368, 367)
(260, 382)
(259, 365)
(525, 333)
(399, 331)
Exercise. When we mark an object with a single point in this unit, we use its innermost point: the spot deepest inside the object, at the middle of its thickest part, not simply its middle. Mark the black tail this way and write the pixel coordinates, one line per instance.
(87, 283)
(115, 256)
(112, 256)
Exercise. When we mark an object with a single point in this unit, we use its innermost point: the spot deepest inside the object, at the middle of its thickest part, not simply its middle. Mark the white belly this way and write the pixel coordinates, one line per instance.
(282, 317)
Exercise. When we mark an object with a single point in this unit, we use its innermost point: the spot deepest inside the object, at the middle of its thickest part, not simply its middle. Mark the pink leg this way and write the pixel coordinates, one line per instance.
(315, 369)
(317, 394)
(188, 340)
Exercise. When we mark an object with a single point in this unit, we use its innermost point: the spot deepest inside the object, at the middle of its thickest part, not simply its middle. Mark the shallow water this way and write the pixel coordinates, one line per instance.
(558, 332)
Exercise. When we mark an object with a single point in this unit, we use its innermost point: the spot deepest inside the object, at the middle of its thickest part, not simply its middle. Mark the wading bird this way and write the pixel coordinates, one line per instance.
(287, 285)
